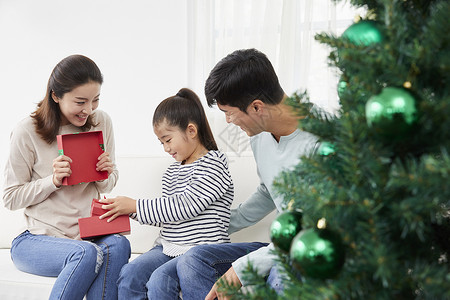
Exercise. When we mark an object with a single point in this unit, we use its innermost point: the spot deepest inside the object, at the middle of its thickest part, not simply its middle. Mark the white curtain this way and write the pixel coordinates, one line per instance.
(282, 29)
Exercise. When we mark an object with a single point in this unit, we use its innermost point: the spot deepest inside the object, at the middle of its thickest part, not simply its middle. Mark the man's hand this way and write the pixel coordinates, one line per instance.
(118, 206)
(232, 279)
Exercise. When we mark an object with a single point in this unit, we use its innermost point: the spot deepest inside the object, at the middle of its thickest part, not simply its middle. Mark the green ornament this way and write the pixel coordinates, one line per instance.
(318, 253)
(392, 112)
(342, 86)
(284, 228)
(364, 33)
(326, 148)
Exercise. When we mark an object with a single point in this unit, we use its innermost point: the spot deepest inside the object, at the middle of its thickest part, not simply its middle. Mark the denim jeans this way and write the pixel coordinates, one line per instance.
(82, 267)
(151, 275)
(200, 267)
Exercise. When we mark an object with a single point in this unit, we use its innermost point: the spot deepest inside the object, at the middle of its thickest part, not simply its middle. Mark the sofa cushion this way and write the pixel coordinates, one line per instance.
(18, 285)
(15, 284)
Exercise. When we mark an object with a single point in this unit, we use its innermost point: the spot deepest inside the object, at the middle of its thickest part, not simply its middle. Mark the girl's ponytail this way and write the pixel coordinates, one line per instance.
(184, 108)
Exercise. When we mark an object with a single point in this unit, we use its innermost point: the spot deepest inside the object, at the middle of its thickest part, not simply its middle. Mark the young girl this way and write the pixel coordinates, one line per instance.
(195, 204)
(51, 245)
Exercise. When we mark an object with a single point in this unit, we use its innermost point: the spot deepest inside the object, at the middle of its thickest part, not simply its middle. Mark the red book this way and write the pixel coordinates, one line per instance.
(83, 148)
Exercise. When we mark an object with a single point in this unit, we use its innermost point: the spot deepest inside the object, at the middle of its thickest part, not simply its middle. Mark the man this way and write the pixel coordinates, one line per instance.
(245, 87)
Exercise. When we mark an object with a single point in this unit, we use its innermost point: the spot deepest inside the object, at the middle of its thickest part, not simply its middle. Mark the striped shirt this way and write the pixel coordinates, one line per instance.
(194, 207)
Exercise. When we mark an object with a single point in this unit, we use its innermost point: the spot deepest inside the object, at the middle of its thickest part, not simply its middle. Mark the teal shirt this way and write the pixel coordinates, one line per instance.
(271, 158)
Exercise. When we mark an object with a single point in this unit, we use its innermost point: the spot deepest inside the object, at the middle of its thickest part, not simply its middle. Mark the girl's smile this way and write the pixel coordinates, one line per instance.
(182, 145)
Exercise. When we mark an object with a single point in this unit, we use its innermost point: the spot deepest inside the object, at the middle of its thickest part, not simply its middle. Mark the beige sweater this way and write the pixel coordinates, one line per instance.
(28, 181)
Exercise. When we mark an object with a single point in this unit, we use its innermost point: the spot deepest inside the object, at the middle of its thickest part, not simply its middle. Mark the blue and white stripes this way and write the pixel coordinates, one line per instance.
(195, 204)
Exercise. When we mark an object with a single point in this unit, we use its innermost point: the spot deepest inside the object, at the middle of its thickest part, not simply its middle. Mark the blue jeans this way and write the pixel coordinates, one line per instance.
(200, 267)
(150, 275)
(82, 267)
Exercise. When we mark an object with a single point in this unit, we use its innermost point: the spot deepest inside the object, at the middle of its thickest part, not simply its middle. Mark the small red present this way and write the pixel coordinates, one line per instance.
(93, 226)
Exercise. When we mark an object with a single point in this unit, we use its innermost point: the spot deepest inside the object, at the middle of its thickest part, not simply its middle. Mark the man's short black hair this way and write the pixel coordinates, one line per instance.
(240, 78)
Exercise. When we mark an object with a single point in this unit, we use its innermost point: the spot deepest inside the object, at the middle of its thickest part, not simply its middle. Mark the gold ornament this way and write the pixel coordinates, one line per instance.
(322, 223)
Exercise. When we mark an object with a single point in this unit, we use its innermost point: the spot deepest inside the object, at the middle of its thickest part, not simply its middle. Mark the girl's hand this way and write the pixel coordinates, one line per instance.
(61, 169)
(105, 163)
(118, 206)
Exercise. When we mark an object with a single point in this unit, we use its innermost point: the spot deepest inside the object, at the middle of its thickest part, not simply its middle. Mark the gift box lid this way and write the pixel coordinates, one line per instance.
(83, 148)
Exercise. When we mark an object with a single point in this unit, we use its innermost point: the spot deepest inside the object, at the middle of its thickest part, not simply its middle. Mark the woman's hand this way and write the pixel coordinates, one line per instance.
(61, 169)
(105, 163)
(118, 206)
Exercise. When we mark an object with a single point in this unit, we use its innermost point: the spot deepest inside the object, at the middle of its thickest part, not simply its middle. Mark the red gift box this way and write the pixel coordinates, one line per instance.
(92, 226)
(96, 208)
(83, 148)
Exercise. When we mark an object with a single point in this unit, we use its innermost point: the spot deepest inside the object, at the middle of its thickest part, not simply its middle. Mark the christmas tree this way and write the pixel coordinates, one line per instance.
(368, 213)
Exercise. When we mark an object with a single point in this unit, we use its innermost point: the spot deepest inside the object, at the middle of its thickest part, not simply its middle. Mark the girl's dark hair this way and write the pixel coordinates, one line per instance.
(240, 78)
(184, 108)
(68, 74)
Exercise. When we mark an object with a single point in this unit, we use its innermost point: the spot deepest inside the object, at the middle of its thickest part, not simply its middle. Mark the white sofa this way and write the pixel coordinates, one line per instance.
(138, 177)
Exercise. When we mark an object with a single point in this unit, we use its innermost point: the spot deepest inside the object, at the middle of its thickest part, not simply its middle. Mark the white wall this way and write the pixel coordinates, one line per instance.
(140, 47)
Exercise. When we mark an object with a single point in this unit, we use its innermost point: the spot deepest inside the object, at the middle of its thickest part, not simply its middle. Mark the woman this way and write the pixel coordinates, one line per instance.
(51, 245)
